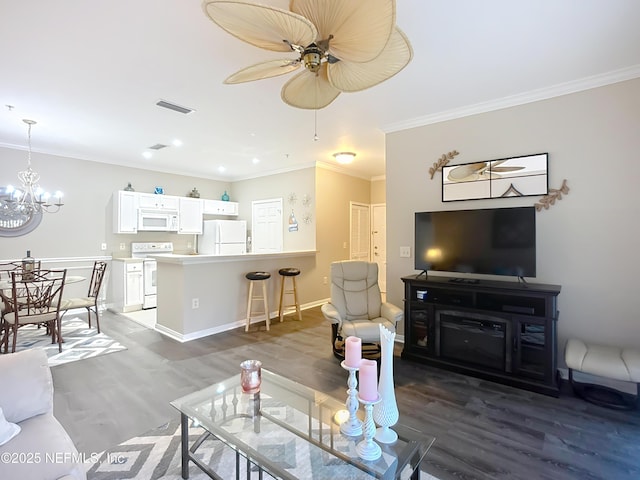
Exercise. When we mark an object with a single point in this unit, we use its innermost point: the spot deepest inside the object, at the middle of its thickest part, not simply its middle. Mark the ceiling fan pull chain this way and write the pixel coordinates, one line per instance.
(315, 126)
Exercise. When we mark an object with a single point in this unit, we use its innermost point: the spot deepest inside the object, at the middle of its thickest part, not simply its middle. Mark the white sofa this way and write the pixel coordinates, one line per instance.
(42, 450)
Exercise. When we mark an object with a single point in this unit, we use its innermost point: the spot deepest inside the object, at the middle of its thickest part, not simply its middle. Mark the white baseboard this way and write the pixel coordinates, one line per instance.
(180, 337)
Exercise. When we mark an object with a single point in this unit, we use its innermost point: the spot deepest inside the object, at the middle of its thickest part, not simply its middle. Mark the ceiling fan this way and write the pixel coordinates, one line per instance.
(342, 45)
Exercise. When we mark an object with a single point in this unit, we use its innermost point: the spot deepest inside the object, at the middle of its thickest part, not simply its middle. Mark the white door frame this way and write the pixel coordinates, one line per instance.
(379, 242)
(359, 234)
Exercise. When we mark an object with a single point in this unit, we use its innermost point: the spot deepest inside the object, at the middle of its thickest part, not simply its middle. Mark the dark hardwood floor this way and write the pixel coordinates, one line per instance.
(483, 430)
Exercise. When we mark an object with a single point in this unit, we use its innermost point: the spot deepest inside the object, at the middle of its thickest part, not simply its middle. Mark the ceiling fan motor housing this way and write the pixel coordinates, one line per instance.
(312, 57)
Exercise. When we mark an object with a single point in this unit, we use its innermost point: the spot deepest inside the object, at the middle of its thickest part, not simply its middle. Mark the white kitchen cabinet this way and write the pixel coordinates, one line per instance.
(154, 201)
(125, 212)
(128, 286)
(190, 215)
(219, 207)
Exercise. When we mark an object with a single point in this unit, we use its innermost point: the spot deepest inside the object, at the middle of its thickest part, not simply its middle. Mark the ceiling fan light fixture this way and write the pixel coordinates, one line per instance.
(344, 157)
(312, 57)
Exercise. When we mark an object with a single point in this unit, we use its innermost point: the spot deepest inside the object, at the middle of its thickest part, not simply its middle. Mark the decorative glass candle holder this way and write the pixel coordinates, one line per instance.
(250, 376)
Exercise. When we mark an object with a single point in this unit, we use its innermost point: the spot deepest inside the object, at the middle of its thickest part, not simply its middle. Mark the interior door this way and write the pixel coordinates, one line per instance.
(360, 232)
(266, 226)
(379, 242)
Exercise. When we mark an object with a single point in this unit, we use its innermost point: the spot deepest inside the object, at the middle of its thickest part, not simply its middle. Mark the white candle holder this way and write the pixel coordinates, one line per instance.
(367, 449)
(353, 425)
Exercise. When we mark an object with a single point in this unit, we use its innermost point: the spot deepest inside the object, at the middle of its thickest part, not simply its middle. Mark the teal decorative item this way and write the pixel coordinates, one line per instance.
(225, 196)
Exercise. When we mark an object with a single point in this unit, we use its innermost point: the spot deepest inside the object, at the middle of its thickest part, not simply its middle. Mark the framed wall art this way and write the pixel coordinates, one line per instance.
(521, 176)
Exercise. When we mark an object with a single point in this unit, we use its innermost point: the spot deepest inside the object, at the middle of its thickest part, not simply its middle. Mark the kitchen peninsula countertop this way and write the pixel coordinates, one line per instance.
(200, 295)
(185, 259)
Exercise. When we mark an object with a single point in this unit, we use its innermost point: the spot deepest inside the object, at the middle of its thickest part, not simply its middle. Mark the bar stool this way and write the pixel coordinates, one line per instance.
(291, 273)
(253, 278)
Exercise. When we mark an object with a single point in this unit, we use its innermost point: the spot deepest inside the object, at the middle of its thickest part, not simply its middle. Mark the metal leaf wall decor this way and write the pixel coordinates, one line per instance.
(554, 194)
(442, 161)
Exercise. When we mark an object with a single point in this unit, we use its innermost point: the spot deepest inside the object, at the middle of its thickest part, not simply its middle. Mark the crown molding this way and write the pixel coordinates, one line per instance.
(344, 171)
(558, 90)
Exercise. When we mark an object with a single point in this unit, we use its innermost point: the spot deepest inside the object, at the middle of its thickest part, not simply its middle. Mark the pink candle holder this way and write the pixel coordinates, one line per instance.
(250, 376)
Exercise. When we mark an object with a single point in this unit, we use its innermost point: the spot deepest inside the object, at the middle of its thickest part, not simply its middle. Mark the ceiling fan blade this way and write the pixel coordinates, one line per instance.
(260, 25)
(259, 71)
(360, 29)
(309, 90)
(505, 169)
(353, 77)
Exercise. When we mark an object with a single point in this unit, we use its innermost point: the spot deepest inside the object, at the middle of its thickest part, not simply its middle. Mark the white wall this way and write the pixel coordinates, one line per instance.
(297, 183)
(587, 242)
(85, 221)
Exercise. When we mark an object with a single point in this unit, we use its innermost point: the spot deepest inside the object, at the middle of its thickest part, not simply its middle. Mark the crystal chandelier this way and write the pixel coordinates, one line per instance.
(20, 206)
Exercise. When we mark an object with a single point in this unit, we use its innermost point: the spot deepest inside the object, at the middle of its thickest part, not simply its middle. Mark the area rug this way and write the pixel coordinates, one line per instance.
(80, 342)
(156, 456)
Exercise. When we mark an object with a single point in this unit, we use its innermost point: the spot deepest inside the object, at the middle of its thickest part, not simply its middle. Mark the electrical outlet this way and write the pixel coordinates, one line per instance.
(344, 245)
(405, 252)
(103, 246)
(324, 280)
(189, 245)
(123, 246)
(195, 303)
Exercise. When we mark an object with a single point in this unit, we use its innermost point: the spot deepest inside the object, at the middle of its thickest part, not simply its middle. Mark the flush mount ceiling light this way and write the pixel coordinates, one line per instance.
(21, 208)
(341, 45)
(344, 157)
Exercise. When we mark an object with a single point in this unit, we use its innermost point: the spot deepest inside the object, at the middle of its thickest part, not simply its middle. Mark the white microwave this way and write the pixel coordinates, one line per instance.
(157, 220)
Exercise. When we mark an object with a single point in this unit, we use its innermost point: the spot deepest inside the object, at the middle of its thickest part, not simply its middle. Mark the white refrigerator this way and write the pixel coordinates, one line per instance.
(223, 237)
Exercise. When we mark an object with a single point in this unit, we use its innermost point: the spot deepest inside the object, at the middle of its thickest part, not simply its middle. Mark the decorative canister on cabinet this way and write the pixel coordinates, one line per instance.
(225, 196)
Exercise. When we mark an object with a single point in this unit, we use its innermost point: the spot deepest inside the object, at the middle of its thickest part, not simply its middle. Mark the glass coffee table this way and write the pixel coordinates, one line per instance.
(286, 431)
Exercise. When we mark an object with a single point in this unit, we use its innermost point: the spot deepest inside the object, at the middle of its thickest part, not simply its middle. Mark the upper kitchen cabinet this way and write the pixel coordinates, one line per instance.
(190, 215)
(219, 207)
(125, 212)
(154, 201)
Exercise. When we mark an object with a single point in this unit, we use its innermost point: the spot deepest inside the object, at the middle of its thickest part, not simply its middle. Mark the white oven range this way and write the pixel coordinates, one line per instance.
(144, 250)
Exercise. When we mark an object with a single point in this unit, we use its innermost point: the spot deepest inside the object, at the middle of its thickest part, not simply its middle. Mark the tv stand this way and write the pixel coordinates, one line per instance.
(497, 330)
(472, 281)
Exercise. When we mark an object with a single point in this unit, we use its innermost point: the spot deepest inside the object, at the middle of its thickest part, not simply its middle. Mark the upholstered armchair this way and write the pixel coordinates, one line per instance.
(356, 307)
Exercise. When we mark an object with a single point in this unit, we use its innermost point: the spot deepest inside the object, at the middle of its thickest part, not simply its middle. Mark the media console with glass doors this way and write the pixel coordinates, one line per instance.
(496, 330)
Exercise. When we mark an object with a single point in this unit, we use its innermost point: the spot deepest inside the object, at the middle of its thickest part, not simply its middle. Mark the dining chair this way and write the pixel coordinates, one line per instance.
(90, 302)
(35, 301)
(6, 268)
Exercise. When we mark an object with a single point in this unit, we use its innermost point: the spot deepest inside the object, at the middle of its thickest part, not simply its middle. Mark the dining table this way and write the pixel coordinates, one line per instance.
(7, 285)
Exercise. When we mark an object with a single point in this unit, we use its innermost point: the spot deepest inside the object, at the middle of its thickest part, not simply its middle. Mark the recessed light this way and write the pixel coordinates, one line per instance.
(255, 160)
(177, 143)
(221, 169)
(147, 155)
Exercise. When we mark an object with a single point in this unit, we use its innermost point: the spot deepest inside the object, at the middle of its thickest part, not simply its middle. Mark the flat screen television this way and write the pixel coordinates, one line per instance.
(495, 241)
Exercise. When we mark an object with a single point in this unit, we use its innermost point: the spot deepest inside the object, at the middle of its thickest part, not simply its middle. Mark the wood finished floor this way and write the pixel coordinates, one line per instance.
(483, 430)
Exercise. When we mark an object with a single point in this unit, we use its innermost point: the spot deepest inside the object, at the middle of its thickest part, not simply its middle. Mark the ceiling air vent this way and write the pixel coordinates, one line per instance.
(158, 146)
(174, 107)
